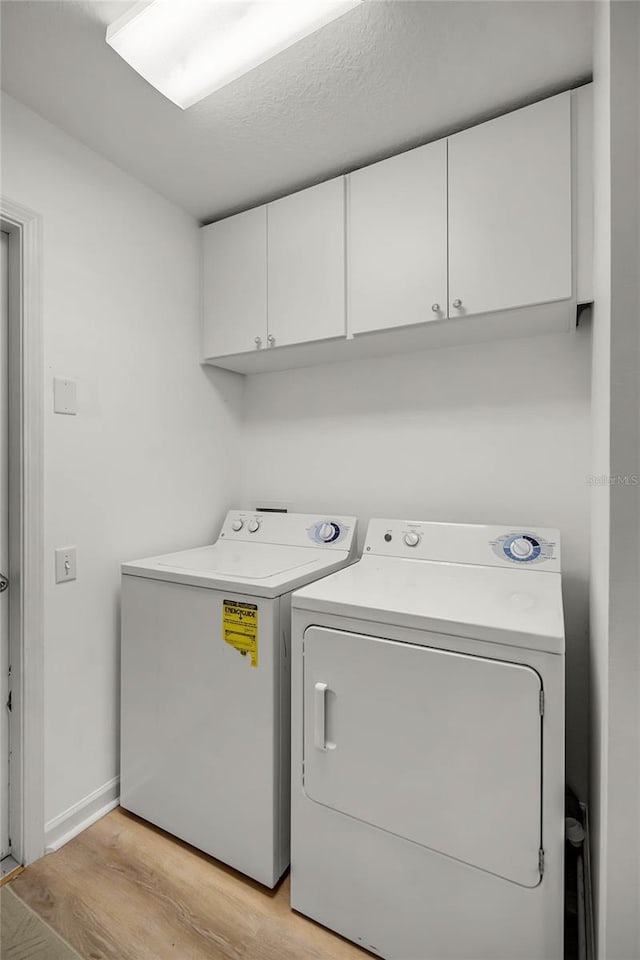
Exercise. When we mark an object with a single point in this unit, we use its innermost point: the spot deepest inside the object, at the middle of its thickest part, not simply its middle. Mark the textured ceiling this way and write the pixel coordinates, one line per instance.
(386, 76)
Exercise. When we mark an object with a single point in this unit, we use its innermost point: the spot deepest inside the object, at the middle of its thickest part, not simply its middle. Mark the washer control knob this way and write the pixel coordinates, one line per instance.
(521, 547)
(237, 525)
(326, 533)
(412, 539)
(253, 525)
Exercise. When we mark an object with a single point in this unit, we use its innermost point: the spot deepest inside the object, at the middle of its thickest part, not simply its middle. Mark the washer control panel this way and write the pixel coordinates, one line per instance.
(326, 531)
(291, 529)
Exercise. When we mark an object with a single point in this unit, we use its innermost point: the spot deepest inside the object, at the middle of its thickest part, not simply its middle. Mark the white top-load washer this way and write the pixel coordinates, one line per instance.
(428, 744)
(205, 710)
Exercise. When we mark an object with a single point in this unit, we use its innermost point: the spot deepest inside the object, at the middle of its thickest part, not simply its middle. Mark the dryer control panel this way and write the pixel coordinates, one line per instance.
(291, 529)
(478, 544)
(523, 547)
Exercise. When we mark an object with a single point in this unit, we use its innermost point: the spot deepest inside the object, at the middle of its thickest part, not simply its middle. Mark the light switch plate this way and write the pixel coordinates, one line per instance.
(64, 396)
(65, 564)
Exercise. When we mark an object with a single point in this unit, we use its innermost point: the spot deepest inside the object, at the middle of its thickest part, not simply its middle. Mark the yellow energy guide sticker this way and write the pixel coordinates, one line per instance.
(240, 627)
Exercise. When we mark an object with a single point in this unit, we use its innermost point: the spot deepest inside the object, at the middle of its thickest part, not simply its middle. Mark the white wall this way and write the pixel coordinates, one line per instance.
(145, 466)
(495, 433)
(615, 610)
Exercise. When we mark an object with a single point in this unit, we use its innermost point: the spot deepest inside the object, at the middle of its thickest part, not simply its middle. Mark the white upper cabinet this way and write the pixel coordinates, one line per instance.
(582, 107)
(306, 271)
(510, 210)
(492, 220)
(397, 240)
(235, 284)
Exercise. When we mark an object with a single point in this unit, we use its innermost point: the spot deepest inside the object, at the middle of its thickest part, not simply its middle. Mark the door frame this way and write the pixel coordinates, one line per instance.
(26, 522)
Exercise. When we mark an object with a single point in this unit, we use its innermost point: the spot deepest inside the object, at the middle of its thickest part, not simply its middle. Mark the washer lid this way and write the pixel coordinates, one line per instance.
(255, 561)
(494, 604)
(265, 569)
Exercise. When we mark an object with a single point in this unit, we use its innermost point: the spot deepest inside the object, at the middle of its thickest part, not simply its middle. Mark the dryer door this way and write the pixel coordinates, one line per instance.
(441, 748)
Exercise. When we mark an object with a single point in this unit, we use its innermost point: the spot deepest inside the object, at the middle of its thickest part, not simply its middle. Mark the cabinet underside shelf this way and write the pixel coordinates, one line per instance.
(559, 317)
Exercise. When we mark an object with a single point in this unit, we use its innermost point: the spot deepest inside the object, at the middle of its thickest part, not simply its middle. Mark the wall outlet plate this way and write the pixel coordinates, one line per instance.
(65, 564)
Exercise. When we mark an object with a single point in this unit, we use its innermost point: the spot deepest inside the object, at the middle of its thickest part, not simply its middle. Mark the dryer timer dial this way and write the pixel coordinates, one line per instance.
(522, 547)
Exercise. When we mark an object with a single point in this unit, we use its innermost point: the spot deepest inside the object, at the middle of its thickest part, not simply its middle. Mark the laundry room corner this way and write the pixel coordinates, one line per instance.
(444, 434)
(147, 463)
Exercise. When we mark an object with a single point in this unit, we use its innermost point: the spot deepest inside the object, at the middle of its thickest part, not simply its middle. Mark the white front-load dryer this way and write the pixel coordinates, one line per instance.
(205, 683)
(428, 744)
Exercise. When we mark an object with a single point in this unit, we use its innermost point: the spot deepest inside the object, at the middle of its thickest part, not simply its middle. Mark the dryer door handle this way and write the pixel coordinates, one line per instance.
(319, 716)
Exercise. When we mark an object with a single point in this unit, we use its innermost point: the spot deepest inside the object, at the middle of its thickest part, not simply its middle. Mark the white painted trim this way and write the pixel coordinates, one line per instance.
(26, 493)
(81, 815)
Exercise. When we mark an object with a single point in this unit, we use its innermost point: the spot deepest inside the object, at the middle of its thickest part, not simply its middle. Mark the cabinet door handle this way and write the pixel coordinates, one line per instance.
(435, 307)
(457, 304)
(319, 702)
(271, 339)
(258, 342)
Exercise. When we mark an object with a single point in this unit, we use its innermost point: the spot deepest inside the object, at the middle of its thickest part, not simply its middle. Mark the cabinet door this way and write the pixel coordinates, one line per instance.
(306, 265)
(510, 210)
(397, 230)
(235, 283)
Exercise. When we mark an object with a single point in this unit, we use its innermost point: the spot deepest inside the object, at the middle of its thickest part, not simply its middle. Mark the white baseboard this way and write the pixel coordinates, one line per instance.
(81, 815)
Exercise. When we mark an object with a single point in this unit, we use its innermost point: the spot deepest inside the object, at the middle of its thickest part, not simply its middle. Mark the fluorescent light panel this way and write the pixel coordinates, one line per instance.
(188, 48)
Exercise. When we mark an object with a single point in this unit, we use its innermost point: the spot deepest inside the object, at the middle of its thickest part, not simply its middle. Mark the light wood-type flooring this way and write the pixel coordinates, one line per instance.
(25, 936)
(123, 890)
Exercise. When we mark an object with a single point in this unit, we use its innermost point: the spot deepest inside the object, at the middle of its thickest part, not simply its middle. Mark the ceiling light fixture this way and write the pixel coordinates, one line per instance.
(188, 48)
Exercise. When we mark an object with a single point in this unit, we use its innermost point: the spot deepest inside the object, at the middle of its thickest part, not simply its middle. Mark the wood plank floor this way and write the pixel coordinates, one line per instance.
(124, 890)
(25, 936)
